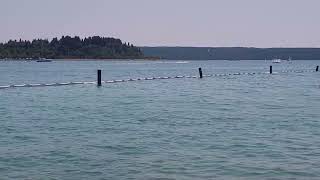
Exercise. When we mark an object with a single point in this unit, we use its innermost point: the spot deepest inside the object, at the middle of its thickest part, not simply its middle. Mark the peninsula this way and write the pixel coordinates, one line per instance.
(67, 47)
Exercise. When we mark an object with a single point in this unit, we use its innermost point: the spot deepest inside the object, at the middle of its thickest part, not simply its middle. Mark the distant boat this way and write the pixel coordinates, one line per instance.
(276, 60)
(44, 60)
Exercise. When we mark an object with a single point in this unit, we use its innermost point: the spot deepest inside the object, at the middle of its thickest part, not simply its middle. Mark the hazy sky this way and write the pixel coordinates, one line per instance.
(253, 23)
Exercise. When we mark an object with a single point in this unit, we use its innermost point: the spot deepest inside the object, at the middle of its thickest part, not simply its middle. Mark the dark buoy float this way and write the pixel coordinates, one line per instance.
(200, 73)
(99, 77)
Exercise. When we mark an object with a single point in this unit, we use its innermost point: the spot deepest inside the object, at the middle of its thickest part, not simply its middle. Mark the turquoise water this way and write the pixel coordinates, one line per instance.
(230, 127)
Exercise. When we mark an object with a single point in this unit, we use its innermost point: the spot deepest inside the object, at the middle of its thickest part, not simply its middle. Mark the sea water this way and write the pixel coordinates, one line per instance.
(257, 126)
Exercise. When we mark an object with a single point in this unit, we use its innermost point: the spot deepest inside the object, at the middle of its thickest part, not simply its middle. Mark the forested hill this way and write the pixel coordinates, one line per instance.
(231, 53)
(70, 47)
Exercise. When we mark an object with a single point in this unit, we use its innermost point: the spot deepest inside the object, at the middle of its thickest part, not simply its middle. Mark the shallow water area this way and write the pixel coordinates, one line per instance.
(238, 126)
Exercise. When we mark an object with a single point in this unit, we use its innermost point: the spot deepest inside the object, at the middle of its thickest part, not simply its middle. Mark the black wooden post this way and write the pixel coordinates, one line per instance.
(99, 77)
(200, 72)
(270, 69)
(317, 69)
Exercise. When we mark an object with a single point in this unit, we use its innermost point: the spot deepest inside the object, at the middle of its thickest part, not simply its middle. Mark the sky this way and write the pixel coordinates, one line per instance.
(246, 23)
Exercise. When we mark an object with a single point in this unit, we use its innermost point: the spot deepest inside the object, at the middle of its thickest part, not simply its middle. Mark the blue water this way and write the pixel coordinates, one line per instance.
(258, 126)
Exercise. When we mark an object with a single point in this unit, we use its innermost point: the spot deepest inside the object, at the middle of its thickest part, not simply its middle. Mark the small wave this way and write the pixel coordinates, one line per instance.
(181, 62)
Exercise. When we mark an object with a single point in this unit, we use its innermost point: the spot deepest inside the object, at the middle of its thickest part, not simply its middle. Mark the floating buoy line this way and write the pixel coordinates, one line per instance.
(150, 78)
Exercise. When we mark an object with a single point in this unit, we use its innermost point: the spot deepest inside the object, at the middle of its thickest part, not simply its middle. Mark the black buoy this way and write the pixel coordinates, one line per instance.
(317, 69)
(200, 73)
(99, 77)
(270, 69)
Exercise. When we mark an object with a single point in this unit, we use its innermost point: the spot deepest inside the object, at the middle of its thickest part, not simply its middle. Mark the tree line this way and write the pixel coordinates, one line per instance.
(95, 47)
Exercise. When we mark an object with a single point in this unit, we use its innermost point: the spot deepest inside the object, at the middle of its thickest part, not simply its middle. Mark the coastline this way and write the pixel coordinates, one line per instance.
(85, 59)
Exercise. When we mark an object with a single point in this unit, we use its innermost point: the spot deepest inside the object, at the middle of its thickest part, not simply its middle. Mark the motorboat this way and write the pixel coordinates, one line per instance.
(276, 60)
(44, 60)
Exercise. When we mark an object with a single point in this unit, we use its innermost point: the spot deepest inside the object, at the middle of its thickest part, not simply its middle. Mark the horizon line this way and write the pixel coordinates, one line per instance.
(167, 46)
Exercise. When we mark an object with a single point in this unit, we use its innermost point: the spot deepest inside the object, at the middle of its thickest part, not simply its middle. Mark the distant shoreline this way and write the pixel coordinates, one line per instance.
(84, 59)
(143, 59)
(231, 53)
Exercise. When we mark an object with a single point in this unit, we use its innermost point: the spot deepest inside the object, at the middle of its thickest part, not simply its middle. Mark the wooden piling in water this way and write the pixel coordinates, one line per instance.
(200, 73)
(317, 69)
(99, 77)
(270, 69)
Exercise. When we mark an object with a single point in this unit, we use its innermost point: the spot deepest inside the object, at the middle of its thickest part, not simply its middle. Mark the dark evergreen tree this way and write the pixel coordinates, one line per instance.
(69, 47)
